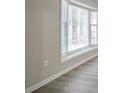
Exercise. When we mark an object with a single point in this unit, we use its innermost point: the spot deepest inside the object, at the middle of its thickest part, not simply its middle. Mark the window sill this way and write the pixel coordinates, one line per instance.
(70, 56)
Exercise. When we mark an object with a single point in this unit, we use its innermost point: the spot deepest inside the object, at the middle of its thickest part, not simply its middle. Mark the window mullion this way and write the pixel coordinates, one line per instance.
(97, 28)
(89, 30)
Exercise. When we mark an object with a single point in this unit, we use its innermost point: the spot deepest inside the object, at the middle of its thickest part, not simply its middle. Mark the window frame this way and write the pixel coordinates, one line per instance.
(66, 35)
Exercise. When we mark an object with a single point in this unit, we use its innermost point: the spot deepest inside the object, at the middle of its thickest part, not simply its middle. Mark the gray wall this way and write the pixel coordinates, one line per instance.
(42, 41)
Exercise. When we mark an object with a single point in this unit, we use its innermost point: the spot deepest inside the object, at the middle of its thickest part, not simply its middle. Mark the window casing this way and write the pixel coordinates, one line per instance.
(78, 28)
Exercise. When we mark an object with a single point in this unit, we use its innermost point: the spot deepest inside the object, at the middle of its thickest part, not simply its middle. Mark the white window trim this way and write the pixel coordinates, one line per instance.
(76, 54)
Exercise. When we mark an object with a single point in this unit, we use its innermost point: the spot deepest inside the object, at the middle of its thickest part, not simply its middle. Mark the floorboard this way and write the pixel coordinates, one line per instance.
(83, 79)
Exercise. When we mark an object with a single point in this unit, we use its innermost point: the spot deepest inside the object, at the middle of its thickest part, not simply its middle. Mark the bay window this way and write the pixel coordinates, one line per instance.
(78, 28)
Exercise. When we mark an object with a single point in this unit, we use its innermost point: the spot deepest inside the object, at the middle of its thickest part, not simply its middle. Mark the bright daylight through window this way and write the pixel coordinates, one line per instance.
(78, 28)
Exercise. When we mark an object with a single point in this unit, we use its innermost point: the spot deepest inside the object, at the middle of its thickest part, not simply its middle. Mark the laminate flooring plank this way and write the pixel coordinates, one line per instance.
(83, 79)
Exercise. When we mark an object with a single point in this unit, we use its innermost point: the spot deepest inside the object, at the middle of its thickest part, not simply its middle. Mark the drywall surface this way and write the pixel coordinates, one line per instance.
(43, 41)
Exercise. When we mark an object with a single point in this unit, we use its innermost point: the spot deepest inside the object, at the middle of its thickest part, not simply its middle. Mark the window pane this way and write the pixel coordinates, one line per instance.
(78, 35)
(93, 27)
(63, 25)
(93, 35)
(93, 16)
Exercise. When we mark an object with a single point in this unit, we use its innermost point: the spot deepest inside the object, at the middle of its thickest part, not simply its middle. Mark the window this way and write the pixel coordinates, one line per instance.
(64, 21)
(93, 28)
(78, 28)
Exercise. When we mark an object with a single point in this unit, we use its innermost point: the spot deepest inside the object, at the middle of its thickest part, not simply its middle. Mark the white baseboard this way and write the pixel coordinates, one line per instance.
(46, 81)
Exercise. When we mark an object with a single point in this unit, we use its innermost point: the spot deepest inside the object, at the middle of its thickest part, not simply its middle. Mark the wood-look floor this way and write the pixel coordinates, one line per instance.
(83, 79)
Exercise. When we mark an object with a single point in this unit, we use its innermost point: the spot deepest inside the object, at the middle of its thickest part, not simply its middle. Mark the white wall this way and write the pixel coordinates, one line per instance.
(42, 41)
